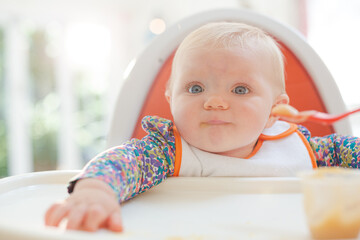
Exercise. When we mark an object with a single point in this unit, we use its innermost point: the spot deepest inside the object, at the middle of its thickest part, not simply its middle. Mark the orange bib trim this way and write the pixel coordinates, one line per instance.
(292, 129)
(178, 152)
(308, 148)
(263, 137)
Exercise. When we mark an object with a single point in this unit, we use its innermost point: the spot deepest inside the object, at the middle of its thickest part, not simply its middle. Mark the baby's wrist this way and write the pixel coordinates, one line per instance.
(96, 184)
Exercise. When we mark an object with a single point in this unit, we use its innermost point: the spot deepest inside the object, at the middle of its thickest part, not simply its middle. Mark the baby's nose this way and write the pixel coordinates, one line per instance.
(216, 103)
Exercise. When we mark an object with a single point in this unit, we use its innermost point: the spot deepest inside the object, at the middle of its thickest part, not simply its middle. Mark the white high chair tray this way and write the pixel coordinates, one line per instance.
(178, 208)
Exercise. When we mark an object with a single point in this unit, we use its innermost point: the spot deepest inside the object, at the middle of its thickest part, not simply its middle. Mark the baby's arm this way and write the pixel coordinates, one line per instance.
(91, 206)
(126, 171)
(131, 168)
(335, 150)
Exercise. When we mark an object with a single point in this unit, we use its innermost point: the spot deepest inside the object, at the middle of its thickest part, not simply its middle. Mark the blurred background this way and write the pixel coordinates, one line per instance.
(62, 61)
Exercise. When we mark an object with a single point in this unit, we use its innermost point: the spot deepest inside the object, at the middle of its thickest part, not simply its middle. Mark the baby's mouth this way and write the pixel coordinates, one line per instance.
(214, 123)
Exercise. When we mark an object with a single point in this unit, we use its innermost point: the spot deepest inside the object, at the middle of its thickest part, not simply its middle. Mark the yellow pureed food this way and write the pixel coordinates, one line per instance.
(291, 114)
(284, 110)
(334, 227)
(332, 202)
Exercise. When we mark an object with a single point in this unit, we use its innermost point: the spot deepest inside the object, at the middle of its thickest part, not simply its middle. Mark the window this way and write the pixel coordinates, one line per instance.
(44, 102)
(3, 133)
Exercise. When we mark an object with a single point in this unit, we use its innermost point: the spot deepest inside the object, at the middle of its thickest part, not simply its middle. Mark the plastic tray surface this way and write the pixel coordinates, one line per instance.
(178, 208)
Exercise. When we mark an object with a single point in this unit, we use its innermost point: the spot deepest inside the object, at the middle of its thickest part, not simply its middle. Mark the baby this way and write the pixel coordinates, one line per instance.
(225, 80)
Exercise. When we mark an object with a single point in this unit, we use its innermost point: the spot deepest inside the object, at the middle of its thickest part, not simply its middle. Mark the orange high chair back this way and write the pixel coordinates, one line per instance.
(308, 82)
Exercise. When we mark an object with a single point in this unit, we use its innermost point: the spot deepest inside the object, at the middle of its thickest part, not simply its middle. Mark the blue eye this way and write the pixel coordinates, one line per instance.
(195, 89)
(240, 90)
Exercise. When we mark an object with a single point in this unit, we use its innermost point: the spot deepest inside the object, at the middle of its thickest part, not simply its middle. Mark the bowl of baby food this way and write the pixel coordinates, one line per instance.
(332, 202)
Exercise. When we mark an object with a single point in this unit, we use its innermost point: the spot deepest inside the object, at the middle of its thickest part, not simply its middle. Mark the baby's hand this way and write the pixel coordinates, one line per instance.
(91, 206)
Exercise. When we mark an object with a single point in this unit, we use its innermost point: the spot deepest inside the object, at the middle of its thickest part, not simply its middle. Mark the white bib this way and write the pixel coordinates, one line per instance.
(283, 153)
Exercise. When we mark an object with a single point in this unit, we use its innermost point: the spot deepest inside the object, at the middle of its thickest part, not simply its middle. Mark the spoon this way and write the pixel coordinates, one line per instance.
(291, 114)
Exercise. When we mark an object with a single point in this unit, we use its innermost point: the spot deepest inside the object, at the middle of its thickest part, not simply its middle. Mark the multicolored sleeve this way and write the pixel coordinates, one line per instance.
(137, 165)
(334, 149)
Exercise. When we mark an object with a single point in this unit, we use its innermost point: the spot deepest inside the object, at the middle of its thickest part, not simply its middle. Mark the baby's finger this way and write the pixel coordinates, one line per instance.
(76, 216)
(115, 222)
(49, 213)
(56, 213)
(95, 218)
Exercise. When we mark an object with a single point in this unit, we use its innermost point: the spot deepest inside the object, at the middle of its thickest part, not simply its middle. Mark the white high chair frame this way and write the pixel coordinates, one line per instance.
(143, 70)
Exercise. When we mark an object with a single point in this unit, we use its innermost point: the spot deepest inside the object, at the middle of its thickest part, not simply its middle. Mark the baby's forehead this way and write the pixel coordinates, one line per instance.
(206, 52)
(257, 46)
(195, 60)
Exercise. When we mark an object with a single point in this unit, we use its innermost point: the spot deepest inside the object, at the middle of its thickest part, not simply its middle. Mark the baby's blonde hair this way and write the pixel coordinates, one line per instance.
(232, 34)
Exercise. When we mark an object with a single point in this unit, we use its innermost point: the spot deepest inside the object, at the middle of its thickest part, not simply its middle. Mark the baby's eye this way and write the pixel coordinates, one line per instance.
(240, 90)
(195, 89)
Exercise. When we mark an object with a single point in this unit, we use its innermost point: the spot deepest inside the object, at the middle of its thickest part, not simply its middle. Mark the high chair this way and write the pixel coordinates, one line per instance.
(308, 81)
(186, 208)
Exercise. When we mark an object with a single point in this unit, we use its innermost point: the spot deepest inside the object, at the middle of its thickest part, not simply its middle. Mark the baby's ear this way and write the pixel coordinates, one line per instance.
(281, 99)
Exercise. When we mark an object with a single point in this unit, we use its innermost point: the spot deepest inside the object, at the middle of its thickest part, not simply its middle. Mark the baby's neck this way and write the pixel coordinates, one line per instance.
(244, 152)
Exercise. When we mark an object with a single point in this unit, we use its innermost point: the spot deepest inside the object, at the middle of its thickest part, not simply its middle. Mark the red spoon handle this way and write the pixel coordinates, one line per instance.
(328, 118)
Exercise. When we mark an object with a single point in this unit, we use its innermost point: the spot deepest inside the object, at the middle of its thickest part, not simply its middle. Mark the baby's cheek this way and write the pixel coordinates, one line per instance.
(185, 123)
(184, 111)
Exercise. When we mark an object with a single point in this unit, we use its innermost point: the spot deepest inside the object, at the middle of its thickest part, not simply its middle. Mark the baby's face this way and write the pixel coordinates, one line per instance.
(221, 99)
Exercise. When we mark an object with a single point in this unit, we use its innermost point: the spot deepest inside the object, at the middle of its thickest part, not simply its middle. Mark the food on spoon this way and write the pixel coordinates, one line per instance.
(284, 110)
(291, 114)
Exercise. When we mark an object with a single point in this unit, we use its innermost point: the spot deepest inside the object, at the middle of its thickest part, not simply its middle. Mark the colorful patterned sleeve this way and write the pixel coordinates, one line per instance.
(334, 149)
(137, 165)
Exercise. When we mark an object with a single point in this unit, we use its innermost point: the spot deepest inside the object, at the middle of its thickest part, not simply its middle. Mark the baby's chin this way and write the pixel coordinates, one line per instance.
(214, 148)
(220, 144)
(226, 149)
(206, 146)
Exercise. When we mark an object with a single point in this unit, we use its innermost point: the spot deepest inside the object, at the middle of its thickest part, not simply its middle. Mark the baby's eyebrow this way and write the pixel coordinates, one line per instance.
(188, 82)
